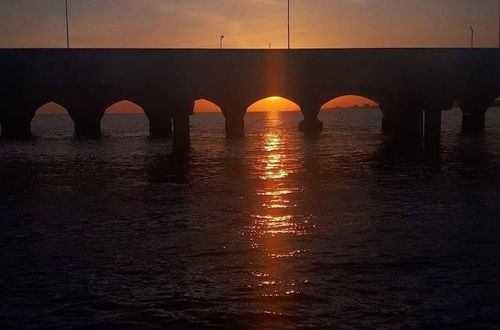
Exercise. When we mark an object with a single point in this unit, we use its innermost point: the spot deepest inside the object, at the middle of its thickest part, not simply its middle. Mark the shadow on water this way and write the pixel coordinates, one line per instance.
(473, 150)
(391, 156)
(234, 155)
(20, 183)
(173, 167)
(466, 155)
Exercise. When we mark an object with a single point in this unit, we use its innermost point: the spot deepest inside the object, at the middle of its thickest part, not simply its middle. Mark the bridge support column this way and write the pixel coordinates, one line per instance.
(411, 129)
(182, 139)
(473, 114)
(311, 125)
(235, 126)
(388, 124)
(403, 123)
(87, 128)
(432, 129)
(473, 123)
(160, 127)
(16, 127)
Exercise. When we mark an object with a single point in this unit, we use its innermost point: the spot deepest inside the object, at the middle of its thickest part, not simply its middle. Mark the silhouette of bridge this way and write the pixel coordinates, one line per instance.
(412, 86)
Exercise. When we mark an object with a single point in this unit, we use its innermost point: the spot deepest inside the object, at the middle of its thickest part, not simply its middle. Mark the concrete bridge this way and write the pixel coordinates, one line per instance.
(412, 86)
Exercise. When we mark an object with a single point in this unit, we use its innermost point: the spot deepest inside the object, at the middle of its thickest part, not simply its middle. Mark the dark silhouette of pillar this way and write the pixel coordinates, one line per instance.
(432, 129)
(388, 124)
(473, 123)
(16, 127)
(160, 126)
(311, 125)
(473, 114)
(402, 122)
(235, 126)
(182, 139)
(410, 126)
(87, 128)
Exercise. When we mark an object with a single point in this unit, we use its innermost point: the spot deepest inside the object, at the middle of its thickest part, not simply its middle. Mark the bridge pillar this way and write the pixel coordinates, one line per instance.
(432, 129)
(182, 139)
(388, 124)
(403, 123)
(411, 129)
(311, 125)
(87, 128)
(473, 123)
(16, 127)
(182, 110)
(160, 127)
(235, 126)
(473, 114)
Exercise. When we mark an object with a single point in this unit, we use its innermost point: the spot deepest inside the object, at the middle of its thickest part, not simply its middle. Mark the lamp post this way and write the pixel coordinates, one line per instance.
(67, 24)
(220, 40)
(288, 24)
(471, 36)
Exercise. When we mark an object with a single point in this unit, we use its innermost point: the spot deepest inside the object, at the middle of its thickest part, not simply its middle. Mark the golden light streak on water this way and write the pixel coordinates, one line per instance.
(278, 221)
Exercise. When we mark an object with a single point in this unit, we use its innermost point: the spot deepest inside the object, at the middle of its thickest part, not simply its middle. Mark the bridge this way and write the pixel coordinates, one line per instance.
(411, 86)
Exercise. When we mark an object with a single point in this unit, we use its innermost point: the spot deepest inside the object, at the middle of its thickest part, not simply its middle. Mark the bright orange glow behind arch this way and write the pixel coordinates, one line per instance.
(203, 105)
(51, 108)
(349, 101)
(124, 107)
(272, 104)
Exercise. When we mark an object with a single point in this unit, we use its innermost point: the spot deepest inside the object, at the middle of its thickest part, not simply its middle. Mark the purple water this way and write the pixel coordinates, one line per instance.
(271, 231)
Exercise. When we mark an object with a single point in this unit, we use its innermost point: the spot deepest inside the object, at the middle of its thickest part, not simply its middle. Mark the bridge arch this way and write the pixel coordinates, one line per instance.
(42, 113)
(207, 110)
(312, 125)
(17, 117)
(273, 103)
(354, 102)
(235, 110)
(124, 106)
(117, 118)
(203, 105)
(349, 101)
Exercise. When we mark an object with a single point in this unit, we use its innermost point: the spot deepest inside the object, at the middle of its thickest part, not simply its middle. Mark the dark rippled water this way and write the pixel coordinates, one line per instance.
(272, 231)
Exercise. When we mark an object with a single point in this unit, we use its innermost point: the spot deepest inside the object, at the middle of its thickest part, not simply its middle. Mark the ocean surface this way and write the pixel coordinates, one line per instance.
(271, 231)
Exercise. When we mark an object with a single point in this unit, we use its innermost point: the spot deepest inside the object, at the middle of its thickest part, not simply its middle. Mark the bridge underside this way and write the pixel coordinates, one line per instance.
(405, 124)
(411, 86)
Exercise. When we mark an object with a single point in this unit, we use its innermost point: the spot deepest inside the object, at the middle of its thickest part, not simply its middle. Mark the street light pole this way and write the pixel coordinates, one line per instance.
(220, 39)
(498, 23)
(471, 36)
(288, 24)
(67, 24)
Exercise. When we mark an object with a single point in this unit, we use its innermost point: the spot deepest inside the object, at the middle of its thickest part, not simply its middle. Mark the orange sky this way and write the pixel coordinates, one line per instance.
(269, 104)
(249, 23)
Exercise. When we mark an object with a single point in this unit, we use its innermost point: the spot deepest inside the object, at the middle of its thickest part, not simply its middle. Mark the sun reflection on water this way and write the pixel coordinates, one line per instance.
(278, 222)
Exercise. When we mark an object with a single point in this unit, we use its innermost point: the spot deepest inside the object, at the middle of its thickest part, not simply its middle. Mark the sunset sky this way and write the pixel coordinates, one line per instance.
(249, 23)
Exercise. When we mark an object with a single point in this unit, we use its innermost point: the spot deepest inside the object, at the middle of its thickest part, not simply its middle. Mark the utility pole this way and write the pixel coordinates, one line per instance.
(471, 36)
(67, 24)
(288, 24)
